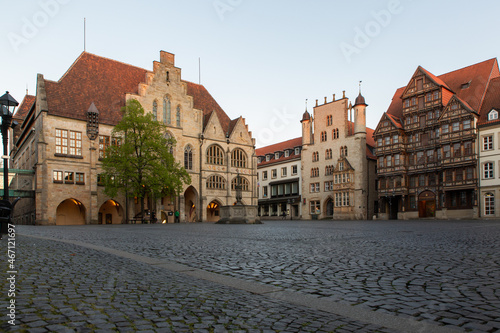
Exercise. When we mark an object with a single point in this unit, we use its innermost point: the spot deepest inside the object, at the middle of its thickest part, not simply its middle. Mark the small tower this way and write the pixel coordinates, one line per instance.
(360, 114)
(359, 160)
(306, 128)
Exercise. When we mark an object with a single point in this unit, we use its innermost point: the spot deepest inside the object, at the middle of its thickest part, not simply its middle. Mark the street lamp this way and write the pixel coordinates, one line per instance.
(7, 104)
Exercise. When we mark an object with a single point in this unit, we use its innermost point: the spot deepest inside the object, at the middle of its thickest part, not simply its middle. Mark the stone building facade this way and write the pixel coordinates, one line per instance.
(279, 180)
(427, 144)
(338, 164)
(55, 141)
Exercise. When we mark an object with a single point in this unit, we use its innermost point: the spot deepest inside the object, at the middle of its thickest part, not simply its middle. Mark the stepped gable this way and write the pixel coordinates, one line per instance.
(202, 100)
(476, 77)
(491, 101)
(94, 79)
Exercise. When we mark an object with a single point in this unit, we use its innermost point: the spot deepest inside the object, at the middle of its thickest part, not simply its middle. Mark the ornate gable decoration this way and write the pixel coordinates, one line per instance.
(456, 108)
(386, 124)
(343, 165)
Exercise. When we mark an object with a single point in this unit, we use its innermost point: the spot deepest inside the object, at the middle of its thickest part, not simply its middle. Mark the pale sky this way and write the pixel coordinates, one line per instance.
(259, 59)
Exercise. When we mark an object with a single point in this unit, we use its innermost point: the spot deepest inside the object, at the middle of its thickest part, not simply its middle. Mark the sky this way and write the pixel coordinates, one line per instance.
(259, 59)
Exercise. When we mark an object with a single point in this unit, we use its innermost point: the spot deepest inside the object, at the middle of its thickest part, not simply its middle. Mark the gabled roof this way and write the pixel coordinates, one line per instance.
(202, 100)
(24, 107)
(94, 79)
(477, 77)
(105, 82)
(491, 101)
(395, 120)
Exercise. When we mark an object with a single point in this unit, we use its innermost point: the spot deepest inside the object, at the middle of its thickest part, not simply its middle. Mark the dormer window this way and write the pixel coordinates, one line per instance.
(493, 115)
(297, 151)
(465, 85)
(276, 155)
(287, 153)
(260, 159)
(268, 158)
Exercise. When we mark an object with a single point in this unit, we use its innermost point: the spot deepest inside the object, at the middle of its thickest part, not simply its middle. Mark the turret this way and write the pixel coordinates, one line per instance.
(306, 128)
(360, 115)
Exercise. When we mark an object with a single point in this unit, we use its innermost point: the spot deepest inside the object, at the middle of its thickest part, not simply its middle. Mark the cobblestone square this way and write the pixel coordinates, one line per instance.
(281, 276)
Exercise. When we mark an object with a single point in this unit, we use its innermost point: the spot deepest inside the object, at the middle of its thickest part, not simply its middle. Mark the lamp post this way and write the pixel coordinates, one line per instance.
(7, 104)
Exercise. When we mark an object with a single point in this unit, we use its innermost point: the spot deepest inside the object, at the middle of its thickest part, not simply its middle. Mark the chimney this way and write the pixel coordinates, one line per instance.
(343, 92)
(316, 102)
(325, 99)
(334, 97)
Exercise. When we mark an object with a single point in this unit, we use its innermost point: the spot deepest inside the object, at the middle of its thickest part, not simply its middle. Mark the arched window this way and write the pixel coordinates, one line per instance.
(238, 158)
(489, 204)
(216, 182)
(315, 156)
(155, 110)
(323, 136)
(178, 116)
(335, 133)
(245, 184)
(315, 172)
(343, 151)
(166, 110)
(188, 158)
(171, 142)
(215, 155)
(328, 154)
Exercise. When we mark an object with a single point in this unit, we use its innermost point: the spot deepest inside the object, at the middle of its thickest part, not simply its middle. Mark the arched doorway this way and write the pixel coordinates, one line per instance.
(190, 200)
(70, 212)
(329, 207)
(427, 204)
(213, 211)
(111, 212)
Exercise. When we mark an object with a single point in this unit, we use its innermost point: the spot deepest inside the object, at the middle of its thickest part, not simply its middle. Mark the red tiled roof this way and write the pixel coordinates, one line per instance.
(477, 75)
(281, 146)
(395, 120)
(202, 100)
(433, 77)
(105, 82)
(491, 101)
(93, 79)
(24, 107)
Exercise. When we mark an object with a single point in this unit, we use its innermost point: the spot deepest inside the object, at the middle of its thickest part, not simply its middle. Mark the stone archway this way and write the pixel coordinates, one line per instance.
(213, 211)
(427, 204)
(329, 207)
(190, 201)
(70, 212)
(111, 212)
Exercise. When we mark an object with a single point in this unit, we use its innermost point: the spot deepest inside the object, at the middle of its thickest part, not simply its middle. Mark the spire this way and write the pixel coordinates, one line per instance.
(360, 100)
(306, 115)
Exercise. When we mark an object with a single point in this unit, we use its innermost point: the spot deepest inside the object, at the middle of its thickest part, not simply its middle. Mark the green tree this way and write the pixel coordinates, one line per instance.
(141, 164)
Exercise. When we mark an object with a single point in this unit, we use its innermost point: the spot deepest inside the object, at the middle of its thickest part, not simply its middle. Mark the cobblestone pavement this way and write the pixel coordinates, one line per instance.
(438, 272)
(67, 288)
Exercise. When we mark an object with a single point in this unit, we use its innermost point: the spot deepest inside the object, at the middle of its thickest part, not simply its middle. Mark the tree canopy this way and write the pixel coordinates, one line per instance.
(141, 163)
